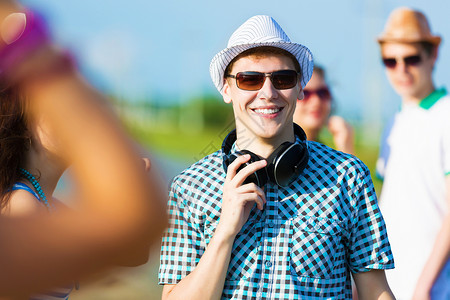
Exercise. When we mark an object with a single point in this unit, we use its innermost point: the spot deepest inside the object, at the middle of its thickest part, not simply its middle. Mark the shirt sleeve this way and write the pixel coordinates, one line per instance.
(181, 247)
(369, 247)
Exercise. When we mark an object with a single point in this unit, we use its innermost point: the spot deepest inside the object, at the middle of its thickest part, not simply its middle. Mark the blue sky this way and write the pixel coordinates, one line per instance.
(162, 49)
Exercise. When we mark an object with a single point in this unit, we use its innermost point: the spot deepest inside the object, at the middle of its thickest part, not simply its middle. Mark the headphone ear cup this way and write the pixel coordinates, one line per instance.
(259, 177)
(227, 144)
(304, 155)
(273, 159)
(287, 162)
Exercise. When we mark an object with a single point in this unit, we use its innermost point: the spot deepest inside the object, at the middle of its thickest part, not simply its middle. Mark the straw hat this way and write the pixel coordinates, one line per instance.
(408, 26)
(259, 31)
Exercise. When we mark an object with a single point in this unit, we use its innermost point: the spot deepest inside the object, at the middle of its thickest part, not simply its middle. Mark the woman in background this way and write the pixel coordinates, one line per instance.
(312, 113)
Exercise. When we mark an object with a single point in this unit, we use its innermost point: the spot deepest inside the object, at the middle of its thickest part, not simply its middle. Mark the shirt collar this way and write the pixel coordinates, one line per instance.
(432, 98)
(234, 148)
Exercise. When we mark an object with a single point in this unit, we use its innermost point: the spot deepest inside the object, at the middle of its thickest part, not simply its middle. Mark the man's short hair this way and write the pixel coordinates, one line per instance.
(428, 47)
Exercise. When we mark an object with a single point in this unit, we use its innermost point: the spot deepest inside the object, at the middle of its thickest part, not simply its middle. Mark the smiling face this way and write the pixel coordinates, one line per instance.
(313, 111)
(411, 81)
(265, 114)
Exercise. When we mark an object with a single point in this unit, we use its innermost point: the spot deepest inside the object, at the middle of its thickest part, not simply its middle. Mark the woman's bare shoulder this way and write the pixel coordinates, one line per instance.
(22, 203)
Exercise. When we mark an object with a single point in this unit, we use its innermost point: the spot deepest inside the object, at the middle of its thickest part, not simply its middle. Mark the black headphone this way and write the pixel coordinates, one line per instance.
(283, 165)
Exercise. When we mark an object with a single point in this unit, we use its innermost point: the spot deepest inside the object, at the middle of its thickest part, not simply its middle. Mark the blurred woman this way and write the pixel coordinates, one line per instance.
(51, 118)
(313, 114)
(30, 165)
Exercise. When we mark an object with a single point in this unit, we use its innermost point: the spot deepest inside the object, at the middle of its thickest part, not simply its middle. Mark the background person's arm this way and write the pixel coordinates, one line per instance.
(122, 212)
(438, 256)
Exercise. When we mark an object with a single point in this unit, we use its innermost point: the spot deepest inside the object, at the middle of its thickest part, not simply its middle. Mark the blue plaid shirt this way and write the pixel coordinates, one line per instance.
(303, 245)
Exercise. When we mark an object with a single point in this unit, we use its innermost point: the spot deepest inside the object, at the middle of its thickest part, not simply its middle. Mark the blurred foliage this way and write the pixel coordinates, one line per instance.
(216, 113)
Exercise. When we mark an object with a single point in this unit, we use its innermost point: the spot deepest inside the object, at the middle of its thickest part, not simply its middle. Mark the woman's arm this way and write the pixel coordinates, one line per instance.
(122, 210)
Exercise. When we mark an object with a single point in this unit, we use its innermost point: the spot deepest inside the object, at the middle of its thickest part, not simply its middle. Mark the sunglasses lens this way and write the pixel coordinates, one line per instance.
(413, 60)
(324, 94)
(250, 81)
(389, 62)
(253, 81)
(307, 94)
(285, 79)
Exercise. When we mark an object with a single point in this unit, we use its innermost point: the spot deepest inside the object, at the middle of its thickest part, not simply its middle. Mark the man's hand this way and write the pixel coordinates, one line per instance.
(422, 291)
(238, 199)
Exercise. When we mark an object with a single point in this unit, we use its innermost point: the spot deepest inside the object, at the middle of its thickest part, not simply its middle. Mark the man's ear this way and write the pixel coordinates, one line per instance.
(226, 92)
(301, 95)
(434, 54)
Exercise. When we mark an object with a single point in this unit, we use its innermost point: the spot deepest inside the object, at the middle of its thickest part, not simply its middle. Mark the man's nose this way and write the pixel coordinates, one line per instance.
(401, 66)
(268, 91)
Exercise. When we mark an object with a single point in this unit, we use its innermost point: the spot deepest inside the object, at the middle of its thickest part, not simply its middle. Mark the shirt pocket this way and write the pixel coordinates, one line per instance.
(314, 245)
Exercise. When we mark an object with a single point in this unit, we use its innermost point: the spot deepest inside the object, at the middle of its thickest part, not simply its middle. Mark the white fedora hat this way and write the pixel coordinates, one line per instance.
(256, 32)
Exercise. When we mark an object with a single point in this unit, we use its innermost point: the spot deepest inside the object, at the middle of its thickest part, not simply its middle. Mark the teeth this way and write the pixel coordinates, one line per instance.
(267, 111)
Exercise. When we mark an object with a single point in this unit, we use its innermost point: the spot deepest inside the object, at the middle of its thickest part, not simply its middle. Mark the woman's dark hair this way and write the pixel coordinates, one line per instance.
(320, 71)
(15, 141)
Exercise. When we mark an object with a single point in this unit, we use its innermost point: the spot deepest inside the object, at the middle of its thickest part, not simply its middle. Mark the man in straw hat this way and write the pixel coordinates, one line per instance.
(415, 160)
(271, 215)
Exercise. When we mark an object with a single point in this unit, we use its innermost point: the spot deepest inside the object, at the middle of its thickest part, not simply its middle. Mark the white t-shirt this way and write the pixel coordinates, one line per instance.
(415, 160)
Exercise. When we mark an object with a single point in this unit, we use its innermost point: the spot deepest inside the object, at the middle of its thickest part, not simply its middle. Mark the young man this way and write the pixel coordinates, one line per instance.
(310, 220)
(415, 160)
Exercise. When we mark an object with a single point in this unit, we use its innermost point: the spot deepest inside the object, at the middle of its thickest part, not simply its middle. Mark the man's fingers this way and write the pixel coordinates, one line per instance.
(252, 197)
(247, 170)
(232, 168)
(253, 188)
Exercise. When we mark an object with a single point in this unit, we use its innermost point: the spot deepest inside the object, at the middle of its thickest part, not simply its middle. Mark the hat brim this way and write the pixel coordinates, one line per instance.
(222, 59)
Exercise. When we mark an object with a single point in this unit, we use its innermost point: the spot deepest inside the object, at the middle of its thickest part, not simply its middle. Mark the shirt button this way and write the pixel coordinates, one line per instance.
(270, 224)
(268, 263)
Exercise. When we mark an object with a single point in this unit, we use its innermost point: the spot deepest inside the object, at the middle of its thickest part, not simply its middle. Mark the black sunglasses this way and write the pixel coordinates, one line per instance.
(323, 94)
(253, 81)
(412, 60)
